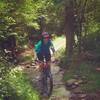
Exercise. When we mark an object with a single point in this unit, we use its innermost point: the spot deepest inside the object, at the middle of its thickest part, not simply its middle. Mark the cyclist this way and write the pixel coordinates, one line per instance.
(42, 49)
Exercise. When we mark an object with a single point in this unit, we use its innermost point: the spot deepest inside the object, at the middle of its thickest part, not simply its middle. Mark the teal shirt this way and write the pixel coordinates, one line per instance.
(43, 48)
(38, 47)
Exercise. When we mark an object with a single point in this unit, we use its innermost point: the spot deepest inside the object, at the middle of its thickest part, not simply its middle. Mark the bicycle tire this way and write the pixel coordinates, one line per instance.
(49, 92)
(47, 82)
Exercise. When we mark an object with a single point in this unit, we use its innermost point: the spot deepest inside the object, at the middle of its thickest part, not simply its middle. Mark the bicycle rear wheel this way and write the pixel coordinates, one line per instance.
(47, 82)
(49, 85)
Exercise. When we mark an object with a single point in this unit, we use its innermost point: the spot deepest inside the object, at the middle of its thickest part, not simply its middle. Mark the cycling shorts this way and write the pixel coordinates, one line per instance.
(41, 57)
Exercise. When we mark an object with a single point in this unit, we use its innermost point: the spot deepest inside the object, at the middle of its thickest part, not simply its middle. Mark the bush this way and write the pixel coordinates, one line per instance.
(14, 85)
(4, 69)
(92, 42)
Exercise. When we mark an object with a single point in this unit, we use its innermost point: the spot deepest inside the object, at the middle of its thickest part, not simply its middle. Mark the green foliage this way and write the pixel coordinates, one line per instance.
(17, 15)
(4, 69)
(84, 70)
(20, 15)
(16, 86)
(2, 5)
(92, 42)
(20, 84)
(60, 55)
(26, 58)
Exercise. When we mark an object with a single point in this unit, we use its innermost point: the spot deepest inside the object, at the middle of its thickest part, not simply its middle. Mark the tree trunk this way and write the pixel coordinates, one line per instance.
(69, 30)
(81, 21)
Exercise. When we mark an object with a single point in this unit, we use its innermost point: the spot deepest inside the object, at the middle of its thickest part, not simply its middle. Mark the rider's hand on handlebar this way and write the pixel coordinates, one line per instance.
(53, 50)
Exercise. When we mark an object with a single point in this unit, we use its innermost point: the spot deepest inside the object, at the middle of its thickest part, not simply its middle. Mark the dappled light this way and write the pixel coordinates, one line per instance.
(49, 49)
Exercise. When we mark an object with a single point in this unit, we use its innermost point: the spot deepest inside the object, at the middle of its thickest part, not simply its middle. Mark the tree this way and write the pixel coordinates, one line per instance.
(69, 28)
(79, 18)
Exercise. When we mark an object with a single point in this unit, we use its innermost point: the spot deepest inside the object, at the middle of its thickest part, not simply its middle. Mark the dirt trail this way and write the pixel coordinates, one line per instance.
(59, 90)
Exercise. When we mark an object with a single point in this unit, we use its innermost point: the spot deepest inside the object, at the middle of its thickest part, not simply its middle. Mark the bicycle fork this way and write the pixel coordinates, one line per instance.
(45, 75)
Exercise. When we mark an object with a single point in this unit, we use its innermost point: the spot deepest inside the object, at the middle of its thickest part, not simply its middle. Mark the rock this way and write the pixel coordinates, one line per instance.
(82, 95)
(70, 82)
(83, 99)
(79, 82)
(74, 97)
(78, 96)
(77, 90)
(98, 69)
(74, 86)
(76, 83)
(33, 64)
(77, 76)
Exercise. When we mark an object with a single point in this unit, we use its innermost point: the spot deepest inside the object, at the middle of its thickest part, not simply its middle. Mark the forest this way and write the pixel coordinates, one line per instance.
(74, 27)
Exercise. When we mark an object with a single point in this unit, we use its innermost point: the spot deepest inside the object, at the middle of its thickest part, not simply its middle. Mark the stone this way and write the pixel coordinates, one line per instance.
(79, 82)
(71, 82)
(98, 69)
(82, 95)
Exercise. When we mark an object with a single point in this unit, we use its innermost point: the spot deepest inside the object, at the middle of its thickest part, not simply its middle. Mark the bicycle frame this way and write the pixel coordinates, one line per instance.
(47, 77)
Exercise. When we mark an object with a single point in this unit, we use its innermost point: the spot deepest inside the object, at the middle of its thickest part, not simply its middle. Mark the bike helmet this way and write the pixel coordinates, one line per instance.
(45, 35)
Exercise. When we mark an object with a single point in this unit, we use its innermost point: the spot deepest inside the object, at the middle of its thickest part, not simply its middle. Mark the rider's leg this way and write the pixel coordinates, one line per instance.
(48, 60)
(41, 59)
(47, 73)
(41, 64)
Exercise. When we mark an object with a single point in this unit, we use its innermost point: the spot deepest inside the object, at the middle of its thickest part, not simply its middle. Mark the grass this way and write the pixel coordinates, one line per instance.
(84, 69)
(26, 58)
(18, 86)
(88, 71)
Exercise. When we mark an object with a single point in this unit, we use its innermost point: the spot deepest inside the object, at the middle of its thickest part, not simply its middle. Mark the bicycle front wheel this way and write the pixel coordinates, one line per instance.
(47, 83)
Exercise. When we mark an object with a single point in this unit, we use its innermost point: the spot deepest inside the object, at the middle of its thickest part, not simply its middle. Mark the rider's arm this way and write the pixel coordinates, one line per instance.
(52, 47)
(37, 48)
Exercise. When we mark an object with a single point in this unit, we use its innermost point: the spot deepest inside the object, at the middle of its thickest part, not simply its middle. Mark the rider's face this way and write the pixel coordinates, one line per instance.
(45, 40)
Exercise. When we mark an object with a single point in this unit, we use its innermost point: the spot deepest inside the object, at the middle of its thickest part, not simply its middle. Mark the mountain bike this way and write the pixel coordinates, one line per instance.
(46, 80)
